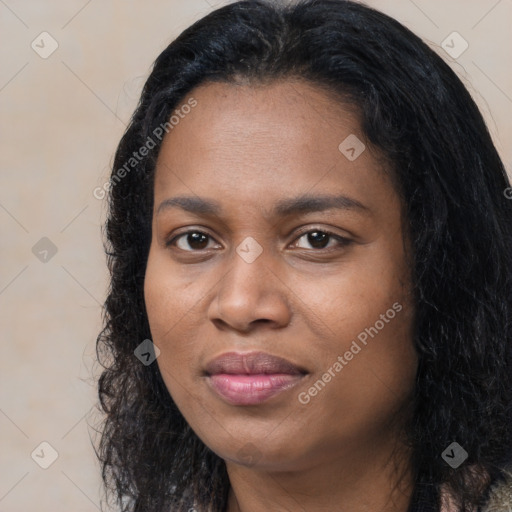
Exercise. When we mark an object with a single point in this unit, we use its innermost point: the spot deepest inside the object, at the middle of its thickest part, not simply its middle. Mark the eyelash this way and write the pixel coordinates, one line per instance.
(342, 241)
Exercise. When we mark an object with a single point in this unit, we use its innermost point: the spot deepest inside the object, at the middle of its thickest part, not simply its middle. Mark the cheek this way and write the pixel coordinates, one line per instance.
(342, 305)
(176, 314)
(365, 316)
(176, 303)
(170, 295)
(169, 307)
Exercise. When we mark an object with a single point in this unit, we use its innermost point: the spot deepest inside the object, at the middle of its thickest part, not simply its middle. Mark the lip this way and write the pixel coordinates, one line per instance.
(251, 378)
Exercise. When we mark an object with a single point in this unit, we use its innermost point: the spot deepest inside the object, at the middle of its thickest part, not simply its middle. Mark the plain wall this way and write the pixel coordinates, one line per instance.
(61, 119)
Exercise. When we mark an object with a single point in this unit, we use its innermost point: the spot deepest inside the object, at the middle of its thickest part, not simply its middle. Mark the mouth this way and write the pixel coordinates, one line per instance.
(251, 378)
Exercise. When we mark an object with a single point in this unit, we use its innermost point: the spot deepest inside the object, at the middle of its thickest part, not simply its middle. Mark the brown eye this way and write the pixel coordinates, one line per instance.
(319, 239)
(195, 240)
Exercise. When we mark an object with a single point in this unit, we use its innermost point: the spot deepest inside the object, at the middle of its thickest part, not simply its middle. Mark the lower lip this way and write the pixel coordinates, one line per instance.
(251, 389)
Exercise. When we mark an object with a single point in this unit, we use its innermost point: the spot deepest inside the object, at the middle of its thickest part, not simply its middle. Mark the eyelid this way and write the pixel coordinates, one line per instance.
(330, 231)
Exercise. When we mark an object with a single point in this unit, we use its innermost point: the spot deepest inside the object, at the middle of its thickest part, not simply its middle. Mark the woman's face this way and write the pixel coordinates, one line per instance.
(295, 251)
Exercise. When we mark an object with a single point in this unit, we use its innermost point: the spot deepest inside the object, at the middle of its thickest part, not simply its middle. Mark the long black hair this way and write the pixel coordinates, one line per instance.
(416, 111)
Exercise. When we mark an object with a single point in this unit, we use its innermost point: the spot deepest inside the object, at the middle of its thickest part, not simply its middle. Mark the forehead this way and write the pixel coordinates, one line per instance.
(252, 144)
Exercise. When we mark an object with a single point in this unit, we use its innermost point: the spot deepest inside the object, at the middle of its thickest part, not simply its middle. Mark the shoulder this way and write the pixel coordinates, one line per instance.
(500, 496)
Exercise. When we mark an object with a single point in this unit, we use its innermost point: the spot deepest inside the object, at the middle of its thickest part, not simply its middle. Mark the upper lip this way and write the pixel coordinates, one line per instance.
(251, 363)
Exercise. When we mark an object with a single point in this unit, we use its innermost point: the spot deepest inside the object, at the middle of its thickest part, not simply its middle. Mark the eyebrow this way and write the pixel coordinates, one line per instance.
(283, 208)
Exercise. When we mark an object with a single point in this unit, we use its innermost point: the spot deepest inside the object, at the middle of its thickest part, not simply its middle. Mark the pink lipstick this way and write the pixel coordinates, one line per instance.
(251, 378)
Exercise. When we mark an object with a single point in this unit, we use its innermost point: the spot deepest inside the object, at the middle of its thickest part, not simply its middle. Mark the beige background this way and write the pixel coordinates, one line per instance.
(61, 118)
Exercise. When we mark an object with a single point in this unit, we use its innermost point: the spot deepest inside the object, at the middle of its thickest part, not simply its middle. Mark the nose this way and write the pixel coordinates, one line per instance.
(250, 294)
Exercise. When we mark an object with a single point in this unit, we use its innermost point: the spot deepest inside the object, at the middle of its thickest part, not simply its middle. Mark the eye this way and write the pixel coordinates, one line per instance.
(196, 240)
(320, 238)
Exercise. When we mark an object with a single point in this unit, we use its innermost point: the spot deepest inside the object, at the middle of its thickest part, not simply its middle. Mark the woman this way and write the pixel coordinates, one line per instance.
(310, 254)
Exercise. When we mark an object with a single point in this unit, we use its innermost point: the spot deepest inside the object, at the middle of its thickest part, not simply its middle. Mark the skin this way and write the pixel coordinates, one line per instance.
(248, 147)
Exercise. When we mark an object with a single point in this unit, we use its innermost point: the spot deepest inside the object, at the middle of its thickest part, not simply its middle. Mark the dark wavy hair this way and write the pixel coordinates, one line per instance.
(415, 110)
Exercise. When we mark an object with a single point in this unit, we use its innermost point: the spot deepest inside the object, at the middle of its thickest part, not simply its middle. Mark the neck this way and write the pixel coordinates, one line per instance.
(357, 480)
